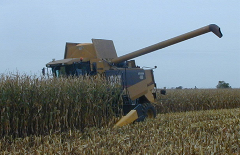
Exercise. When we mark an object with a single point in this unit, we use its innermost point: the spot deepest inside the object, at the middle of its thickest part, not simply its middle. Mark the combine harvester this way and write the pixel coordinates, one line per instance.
(138, 85)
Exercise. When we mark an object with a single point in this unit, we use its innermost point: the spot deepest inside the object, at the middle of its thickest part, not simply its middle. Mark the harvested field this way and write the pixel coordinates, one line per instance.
(195, 132)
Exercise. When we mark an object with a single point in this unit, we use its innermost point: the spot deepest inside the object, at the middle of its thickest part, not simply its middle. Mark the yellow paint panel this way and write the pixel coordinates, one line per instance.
(149, 94)
(138, 90)
(81, 51)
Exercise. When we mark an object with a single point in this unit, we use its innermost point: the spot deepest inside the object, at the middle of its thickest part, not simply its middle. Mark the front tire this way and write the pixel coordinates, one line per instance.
(148, 111)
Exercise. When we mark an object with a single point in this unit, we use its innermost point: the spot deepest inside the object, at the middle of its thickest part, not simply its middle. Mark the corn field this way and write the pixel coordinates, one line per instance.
(197, 99)
(29, 105)
(76, 115)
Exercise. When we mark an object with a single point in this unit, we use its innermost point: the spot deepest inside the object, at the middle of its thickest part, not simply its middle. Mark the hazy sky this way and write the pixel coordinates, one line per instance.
(32, 33)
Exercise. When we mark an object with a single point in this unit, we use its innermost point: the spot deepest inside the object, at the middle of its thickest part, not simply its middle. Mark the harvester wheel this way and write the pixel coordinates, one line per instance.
(149, 110)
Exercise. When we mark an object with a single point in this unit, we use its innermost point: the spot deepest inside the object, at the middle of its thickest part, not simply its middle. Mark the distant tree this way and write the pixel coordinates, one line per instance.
(223, 84)
(180, 87)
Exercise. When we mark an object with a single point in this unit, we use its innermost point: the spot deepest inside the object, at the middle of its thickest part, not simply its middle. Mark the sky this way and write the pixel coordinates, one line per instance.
(32, 33)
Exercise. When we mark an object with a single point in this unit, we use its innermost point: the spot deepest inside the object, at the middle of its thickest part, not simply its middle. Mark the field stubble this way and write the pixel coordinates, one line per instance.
(195, 132)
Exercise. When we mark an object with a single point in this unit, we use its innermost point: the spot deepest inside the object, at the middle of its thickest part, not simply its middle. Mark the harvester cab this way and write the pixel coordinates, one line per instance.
(138, 85)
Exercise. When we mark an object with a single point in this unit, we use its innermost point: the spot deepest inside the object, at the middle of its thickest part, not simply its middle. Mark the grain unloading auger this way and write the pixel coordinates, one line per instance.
(138, 85)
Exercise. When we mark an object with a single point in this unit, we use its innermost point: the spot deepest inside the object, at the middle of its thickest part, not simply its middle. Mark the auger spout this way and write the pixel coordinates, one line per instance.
(210, 28)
